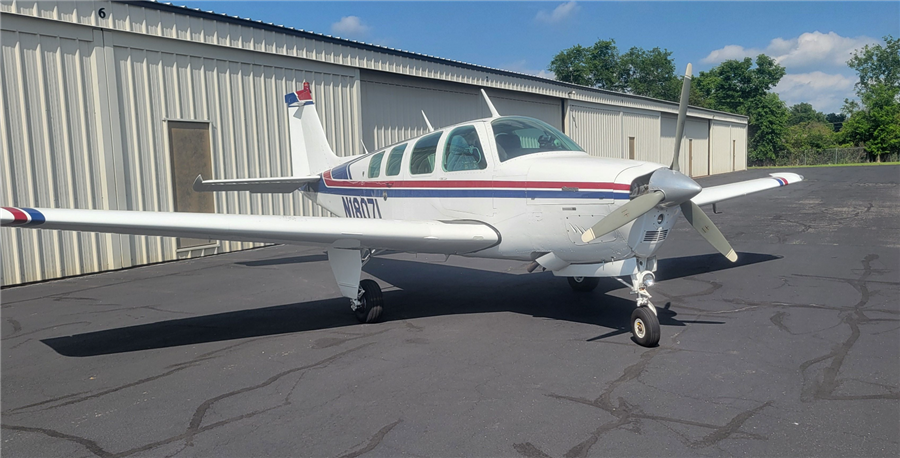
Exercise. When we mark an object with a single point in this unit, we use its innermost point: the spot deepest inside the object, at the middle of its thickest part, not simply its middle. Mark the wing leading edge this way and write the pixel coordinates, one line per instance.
(451, 237)
(715, 194)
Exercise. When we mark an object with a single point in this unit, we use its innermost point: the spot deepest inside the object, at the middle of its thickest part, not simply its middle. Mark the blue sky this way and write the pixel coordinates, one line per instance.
(811, 39)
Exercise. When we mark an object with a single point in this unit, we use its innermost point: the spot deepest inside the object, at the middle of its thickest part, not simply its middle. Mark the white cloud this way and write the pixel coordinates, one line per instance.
(811, 49)
(521, 66)
(350, 26)
(559, 14)
(825, 92)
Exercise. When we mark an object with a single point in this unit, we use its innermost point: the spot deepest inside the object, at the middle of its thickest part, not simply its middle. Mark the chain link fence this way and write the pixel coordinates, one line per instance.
(825, 156)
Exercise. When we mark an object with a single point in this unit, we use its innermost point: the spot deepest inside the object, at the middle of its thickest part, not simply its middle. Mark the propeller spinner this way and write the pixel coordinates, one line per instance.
(668, 187)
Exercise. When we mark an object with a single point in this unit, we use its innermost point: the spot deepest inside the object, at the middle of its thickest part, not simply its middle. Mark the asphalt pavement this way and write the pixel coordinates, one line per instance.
(792, 351)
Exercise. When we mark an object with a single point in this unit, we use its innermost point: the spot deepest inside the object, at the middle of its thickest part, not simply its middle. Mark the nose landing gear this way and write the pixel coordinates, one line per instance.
(644, 321)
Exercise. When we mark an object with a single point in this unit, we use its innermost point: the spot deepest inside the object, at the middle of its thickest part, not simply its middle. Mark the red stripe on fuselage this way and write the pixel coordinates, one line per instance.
(482, 184)
(19, 216)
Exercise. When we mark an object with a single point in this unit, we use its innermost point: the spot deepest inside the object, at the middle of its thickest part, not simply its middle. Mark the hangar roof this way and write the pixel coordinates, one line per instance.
(197, 12)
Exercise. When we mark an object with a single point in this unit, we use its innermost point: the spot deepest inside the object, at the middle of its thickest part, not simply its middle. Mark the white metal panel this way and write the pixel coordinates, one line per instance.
(645, 130)
(392, 107)
(720, 151)
(83, 126)
(696, 141)
(739, 135)
(597, 131)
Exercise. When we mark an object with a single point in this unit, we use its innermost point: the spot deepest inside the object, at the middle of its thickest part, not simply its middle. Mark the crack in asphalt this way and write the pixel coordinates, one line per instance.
(374, 441)
(195, 426)
(627, 414)
(815, 388)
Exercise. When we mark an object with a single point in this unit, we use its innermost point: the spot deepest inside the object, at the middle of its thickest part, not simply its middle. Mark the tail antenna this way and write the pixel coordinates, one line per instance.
(490, 105)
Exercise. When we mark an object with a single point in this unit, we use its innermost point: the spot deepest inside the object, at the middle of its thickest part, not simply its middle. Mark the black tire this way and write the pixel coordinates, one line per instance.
(644, 327)
(372, 302)
(583, 284)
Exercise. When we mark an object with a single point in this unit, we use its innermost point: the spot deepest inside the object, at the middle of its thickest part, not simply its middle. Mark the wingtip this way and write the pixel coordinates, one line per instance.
(198, 183)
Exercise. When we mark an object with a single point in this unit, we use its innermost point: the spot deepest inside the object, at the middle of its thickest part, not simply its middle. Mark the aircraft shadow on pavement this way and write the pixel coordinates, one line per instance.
(428, 289)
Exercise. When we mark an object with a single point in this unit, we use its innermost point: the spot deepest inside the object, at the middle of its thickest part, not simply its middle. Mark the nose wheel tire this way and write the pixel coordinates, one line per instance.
(583, 284)
(645, 327)
(371, 302)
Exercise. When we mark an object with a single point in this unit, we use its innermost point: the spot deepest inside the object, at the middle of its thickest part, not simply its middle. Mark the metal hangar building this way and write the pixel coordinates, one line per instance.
(117, 105)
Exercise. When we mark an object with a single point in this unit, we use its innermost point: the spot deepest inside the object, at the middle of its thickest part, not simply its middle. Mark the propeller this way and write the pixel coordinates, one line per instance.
(668, 187)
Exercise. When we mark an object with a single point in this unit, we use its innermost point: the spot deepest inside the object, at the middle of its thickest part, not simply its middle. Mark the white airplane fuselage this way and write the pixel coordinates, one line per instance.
(539, 203)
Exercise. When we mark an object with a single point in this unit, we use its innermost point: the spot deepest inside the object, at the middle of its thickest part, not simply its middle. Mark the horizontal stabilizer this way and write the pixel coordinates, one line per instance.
(254, 185)
(715, 194)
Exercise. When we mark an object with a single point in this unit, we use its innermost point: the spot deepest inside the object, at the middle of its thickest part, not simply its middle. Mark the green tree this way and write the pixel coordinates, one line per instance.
(649, 73)
(805, 113)
(877, 64)
(874, 121)
(836, 120)
(638, 71)
(594, 66)
(767, 126)
(740, 86)
(809, 136)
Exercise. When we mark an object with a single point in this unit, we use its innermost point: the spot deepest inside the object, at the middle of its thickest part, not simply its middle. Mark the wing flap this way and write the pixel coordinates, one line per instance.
(254, 185)
(411, 236)
(715, 194)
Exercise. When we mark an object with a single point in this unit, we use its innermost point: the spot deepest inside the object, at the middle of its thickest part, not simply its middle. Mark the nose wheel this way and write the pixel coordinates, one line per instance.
(644, 321)
(645, 327)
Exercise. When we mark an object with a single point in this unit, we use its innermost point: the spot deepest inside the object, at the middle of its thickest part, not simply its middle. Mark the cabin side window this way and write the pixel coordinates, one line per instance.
(421, 160)
(394, 160)
(463, 151)
(375, 165)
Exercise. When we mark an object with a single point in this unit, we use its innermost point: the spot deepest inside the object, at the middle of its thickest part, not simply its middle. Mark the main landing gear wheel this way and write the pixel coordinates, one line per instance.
(583, 284)
(645, 327)
(371, 302)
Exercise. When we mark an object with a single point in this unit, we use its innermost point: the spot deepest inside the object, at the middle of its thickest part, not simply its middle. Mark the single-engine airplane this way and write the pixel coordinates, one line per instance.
(506, 187)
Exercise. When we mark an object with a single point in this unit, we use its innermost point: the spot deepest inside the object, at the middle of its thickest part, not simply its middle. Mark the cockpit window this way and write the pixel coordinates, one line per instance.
(518, 136)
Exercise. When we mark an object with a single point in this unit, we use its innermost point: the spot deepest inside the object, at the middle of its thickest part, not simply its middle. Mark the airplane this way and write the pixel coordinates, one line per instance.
(505, 187)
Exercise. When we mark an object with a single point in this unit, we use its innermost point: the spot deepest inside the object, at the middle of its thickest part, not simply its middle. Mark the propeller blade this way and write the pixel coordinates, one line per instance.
(682, 115)
(623, 215)
(707, 229)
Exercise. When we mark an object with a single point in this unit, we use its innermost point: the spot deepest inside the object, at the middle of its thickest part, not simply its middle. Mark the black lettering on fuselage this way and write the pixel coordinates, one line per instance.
(361, 207)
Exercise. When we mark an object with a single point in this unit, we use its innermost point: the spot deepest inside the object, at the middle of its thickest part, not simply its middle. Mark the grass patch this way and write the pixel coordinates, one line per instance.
(861, 164)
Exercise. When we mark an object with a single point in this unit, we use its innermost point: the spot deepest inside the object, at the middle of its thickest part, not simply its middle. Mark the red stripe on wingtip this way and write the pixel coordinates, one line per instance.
(19, 217)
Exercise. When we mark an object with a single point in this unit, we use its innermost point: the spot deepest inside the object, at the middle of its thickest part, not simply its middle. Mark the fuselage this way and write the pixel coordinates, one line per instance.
(540, 193)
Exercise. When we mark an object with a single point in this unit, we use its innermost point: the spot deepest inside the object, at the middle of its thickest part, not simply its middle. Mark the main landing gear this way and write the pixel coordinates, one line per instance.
(366, 300)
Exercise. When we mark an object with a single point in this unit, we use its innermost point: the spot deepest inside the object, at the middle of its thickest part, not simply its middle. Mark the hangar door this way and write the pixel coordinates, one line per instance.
(728, 151)
(597, 131)
(694, 145)
(392, 106)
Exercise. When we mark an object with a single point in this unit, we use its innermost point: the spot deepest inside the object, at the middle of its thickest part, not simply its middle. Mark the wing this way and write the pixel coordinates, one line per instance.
(443, 237)
(715, 194)
(254, 185)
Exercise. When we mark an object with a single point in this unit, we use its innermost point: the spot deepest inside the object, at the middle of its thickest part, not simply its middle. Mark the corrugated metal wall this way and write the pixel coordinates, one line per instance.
(392, 106)
(696, 141)
(99, 139)
(597, 131)
(644, 128)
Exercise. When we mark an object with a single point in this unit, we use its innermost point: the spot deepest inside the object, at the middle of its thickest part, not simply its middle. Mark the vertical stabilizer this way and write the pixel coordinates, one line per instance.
(310, 152)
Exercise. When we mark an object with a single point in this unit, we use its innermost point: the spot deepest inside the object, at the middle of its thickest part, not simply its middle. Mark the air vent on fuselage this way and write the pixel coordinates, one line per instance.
(655, 236)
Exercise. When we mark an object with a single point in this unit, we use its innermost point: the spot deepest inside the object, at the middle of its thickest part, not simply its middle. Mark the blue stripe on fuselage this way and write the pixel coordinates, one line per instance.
(469, 193)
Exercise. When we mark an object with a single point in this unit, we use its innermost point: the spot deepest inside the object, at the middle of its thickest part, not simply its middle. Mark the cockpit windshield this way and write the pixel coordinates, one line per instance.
(519, 136)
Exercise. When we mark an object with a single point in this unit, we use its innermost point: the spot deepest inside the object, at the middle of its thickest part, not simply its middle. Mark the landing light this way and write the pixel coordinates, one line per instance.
(648, 279)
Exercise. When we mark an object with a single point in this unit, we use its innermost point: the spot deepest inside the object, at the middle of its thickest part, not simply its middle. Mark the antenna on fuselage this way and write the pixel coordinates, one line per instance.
(487, 99)
(366, 150)
(427, 122)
